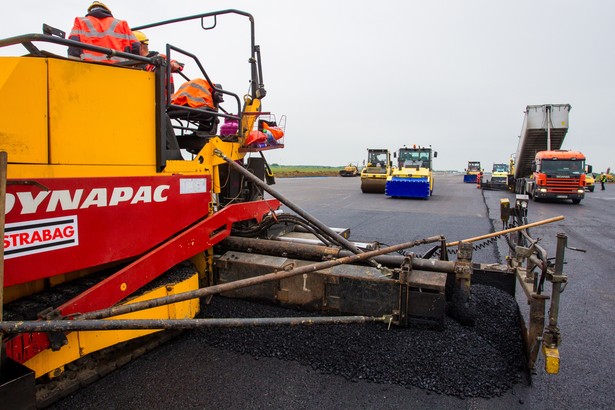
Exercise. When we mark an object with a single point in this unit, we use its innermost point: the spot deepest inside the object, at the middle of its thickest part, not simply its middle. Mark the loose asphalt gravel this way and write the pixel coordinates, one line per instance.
(482, 360)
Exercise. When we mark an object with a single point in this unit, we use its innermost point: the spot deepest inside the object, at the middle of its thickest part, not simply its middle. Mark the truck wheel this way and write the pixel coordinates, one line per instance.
(591, 188)
(576, 201)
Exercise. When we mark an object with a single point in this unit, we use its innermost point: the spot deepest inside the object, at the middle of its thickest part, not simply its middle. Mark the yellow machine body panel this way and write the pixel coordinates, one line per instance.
(106, 125)
(83, 343)
(23, 81)
(71, 126)
(95, 120)
(413, 173)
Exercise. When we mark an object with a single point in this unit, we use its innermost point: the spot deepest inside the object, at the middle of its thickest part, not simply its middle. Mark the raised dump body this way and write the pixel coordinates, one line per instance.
(544, 129)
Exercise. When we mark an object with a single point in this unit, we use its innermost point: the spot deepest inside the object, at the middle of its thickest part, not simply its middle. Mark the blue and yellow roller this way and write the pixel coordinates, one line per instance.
(472, 171)
(413, 177)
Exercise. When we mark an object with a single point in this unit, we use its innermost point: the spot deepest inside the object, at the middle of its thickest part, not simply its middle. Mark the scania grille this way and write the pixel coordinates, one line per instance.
(563, 184)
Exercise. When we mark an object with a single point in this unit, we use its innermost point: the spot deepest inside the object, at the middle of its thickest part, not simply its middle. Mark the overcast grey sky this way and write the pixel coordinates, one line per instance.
(352, 75)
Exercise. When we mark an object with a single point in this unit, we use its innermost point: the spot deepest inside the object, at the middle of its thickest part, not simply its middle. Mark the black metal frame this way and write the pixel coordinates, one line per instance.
(257, 89)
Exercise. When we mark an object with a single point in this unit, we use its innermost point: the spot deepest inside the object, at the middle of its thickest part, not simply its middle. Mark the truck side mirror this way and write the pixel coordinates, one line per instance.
(589, 169)
(435, 154)
(395, 155)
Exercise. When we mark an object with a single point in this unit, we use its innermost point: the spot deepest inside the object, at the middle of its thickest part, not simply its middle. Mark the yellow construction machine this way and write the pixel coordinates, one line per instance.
(472, 172)
(350, 170)
(413, 177)
(377, 169)
(500, 178)
(590, 180)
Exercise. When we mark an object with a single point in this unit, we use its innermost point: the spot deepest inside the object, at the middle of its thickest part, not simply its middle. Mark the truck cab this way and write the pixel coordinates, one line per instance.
(558, 174)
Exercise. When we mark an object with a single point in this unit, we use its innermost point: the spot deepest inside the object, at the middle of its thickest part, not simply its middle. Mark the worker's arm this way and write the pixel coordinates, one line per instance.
(176, 66)
(74, 51)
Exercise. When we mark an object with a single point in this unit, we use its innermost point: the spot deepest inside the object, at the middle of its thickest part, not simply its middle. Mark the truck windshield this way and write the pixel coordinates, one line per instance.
(575, 167)
(473, 166)
(413, 158)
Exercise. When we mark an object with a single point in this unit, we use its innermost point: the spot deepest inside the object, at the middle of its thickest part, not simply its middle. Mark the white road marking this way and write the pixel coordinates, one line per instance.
(605, 198)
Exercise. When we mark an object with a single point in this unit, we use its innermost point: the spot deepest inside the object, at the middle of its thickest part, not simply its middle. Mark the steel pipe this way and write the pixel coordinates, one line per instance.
(505, 231)
(320, 252)
(125, 324)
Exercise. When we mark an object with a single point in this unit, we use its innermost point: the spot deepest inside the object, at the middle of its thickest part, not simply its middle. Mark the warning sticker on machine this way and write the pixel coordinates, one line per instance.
(42, 235)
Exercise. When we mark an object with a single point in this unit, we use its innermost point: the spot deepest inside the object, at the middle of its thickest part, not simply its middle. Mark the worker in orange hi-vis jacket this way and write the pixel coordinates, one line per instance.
(100, 28)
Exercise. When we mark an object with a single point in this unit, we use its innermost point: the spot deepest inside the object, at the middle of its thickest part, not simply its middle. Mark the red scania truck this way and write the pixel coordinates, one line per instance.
(542, 169)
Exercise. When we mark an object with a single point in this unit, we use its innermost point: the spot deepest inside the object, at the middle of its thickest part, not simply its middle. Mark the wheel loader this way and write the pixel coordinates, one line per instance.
(123, 214)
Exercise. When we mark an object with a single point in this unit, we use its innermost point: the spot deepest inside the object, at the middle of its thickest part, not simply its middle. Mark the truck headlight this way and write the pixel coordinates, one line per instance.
(543, 190)
(580, 191)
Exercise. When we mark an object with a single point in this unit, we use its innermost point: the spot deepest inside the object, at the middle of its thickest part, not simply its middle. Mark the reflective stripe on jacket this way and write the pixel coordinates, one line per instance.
(194, 93)
(107, 32)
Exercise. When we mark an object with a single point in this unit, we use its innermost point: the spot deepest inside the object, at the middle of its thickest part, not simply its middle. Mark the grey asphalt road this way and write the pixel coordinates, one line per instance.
(588, 302)
(185, 373)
